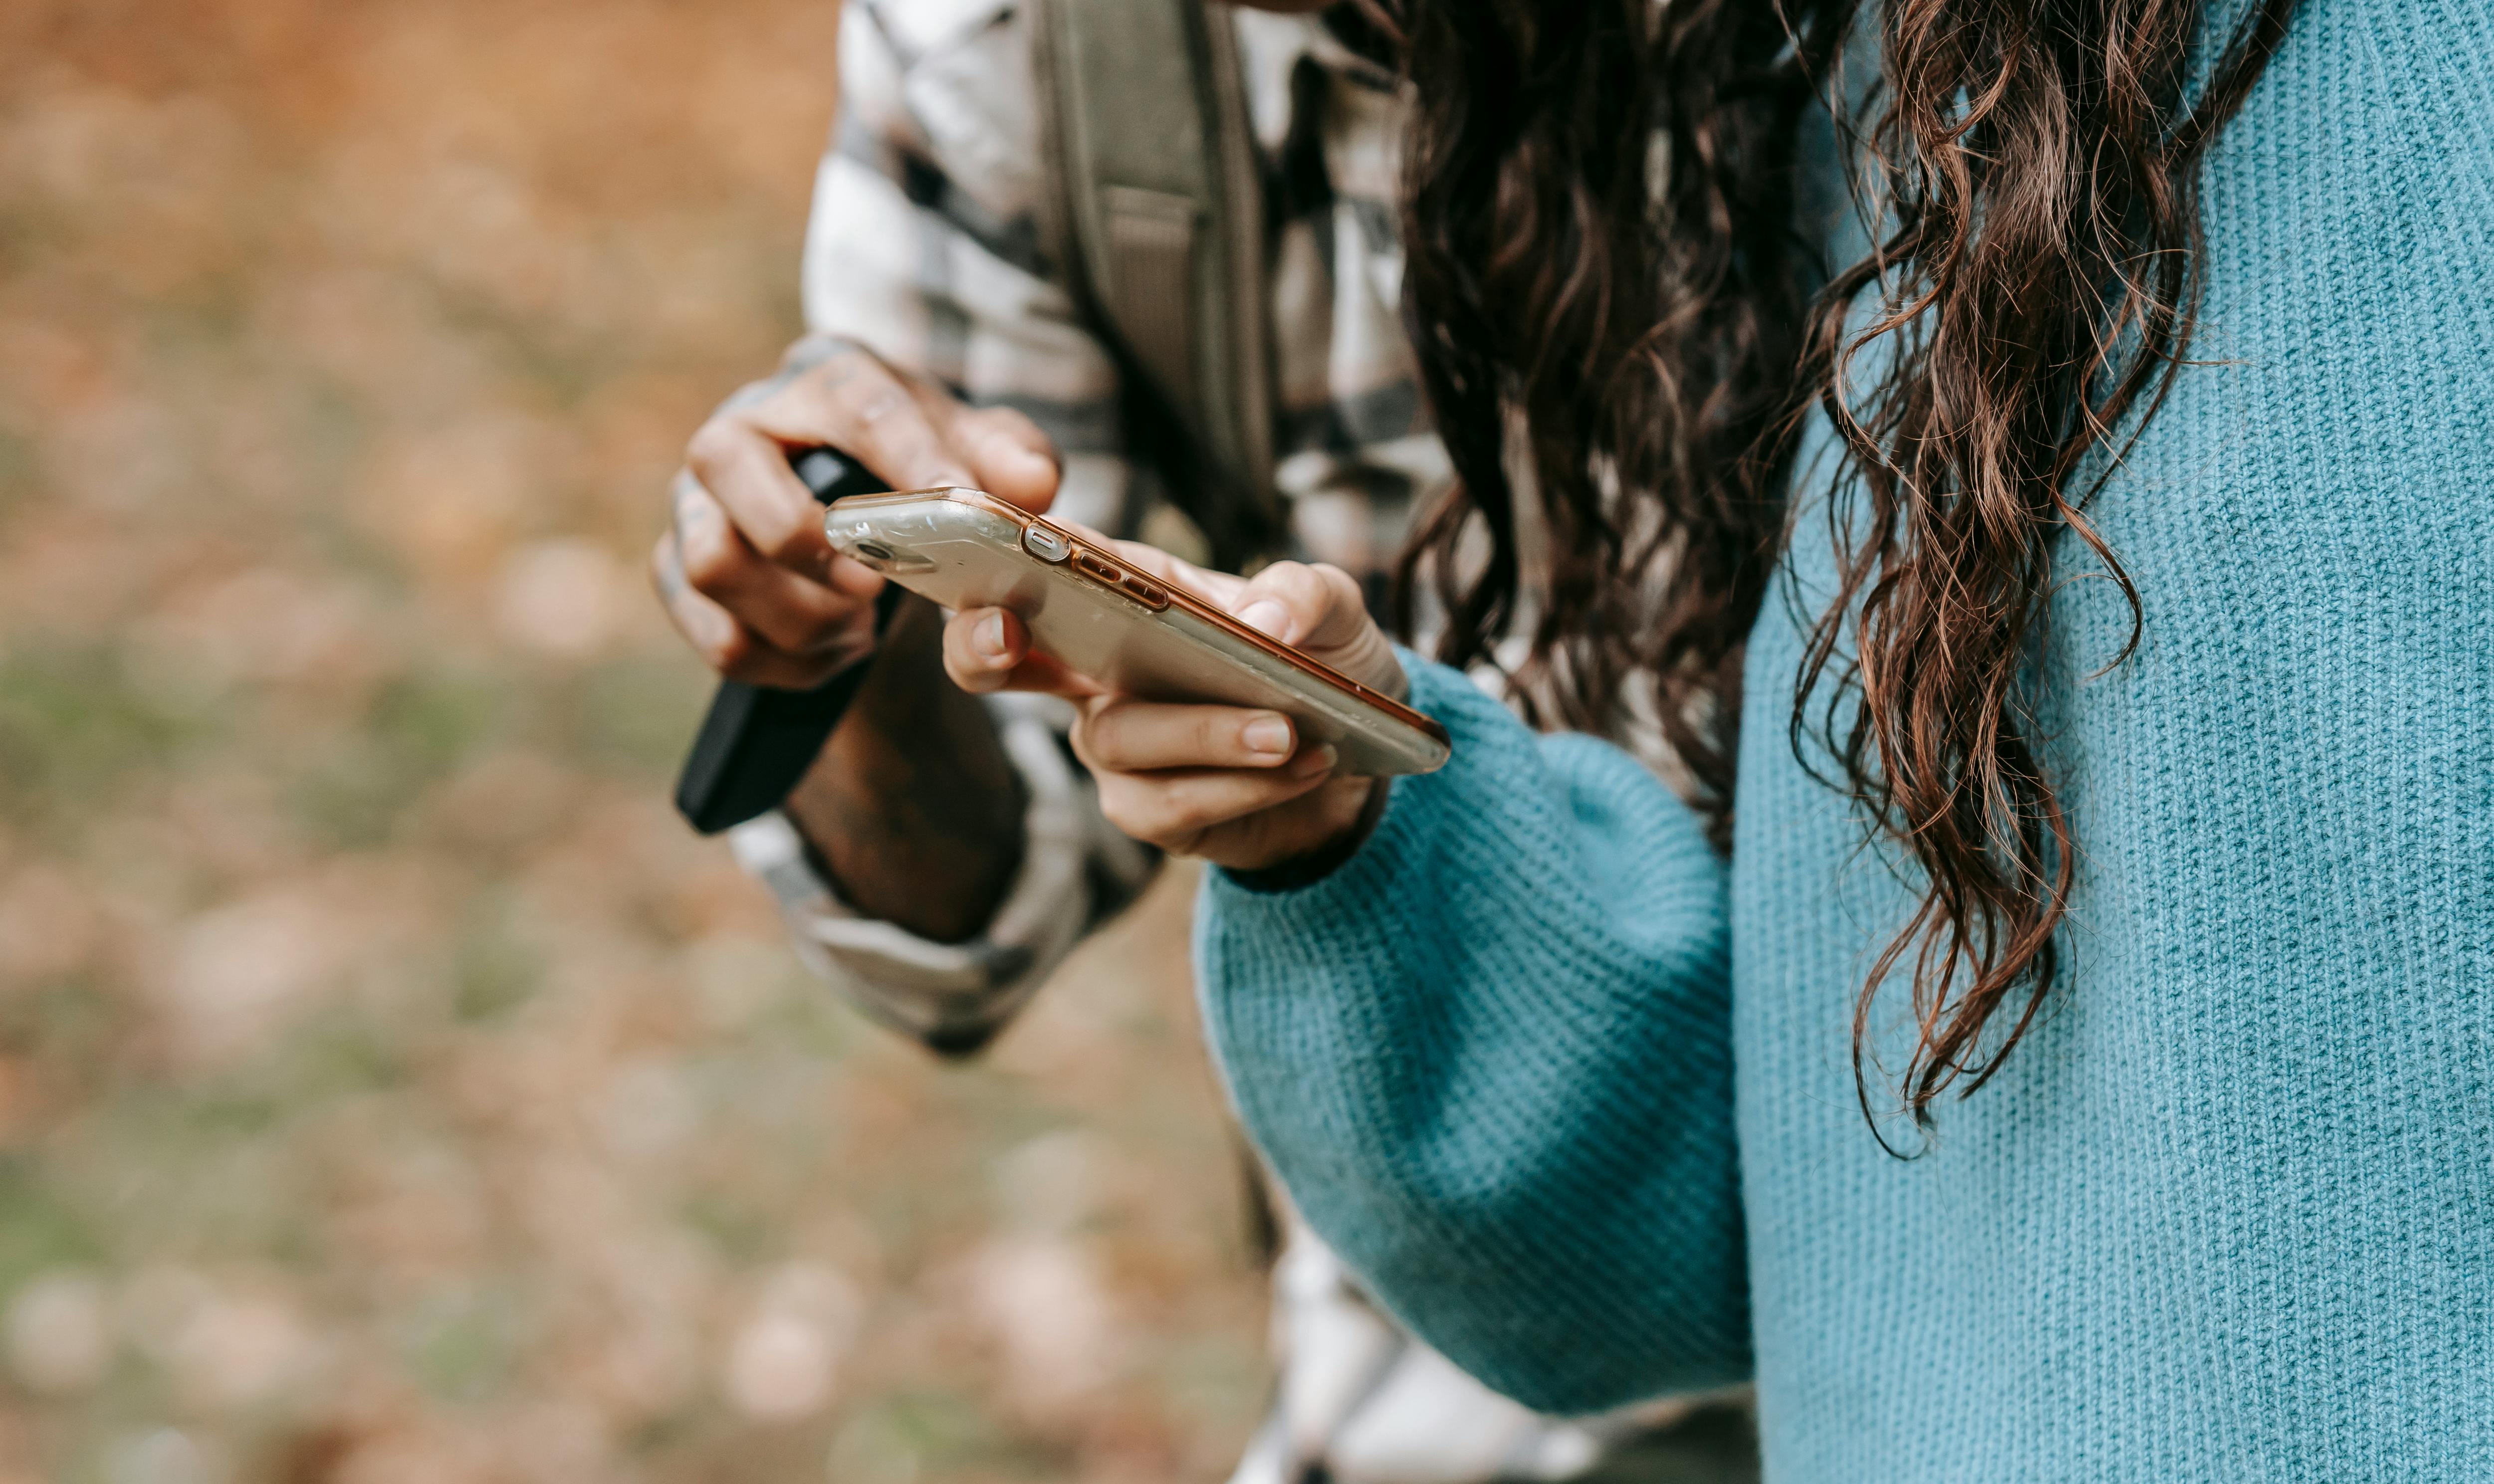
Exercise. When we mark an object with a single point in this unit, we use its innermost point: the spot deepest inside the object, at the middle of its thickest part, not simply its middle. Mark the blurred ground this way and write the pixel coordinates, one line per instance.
(390, 1089)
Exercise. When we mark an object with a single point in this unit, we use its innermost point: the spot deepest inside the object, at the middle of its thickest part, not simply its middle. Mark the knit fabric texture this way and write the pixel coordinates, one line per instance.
(1575, 1097)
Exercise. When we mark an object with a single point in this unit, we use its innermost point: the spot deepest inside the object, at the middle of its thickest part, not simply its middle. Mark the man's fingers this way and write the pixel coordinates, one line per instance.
(1123, 736)
(853, 578)
(860, 406)
(746, 472)
(1009, 457)
(794, 615)
(725, 645)
(852, 402)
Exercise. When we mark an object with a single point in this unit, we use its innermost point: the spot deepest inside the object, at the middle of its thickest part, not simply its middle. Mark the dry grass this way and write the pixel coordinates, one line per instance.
(390, 1089)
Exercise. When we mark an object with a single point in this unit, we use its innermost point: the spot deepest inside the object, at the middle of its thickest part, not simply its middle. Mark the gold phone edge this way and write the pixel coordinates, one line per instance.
(1180, 594)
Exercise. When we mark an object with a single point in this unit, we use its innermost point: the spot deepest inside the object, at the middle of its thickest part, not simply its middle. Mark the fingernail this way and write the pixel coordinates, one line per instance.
(1266, 616)
(989, 639)
(1268, 735)
(1314, 762)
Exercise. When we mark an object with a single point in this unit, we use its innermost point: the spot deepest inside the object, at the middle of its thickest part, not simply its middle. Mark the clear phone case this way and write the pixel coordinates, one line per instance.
(1127, 631)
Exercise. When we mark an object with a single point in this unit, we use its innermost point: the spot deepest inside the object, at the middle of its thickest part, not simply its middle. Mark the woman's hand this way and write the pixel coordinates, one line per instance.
(1232, 784)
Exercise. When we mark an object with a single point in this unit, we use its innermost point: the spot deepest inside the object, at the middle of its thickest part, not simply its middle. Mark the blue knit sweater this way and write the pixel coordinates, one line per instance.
(1574, 1096)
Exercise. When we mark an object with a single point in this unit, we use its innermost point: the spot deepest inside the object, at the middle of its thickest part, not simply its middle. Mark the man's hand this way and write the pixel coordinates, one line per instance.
(912, 807)
(743, 568)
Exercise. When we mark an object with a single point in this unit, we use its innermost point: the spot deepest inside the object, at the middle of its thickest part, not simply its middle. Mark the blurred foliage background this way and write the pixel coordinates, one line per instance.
(390, 1088)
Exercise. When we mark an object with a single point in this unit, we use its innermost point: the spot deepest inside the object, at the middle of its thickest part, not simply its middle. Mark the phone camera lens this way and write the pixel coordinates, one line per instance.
(1045, 544)
(871, 551)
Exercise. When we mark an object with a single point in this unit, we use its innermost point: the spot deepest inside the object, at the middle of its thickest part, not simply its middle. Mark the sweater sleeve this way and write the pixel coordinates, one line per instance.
(1490, 1058)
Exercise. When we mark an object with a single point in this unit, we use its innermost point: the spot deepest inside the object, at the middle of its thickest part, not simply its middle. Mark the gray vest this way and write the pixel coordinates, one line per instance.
(1156, 211)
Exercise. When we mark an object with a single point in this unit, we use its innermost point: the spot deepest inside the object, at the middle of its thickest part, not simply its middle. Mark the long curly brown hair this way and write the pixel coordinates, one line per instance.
(1621, 328)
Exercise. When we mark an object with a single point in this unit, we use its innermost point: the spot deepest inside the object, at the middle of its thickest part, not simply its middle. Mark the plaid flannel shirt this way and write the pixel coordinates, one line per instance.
(924, 247)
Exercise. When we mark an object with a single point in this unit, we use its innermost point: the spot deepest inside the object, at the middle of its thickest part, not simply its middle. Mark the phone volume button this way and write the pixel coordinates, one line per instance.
(1134, 585)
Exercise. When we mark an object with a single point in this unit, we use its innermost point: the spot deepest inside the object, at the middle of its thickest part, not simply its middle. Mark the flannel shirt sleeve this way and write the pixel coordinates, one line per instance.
(924, 247)
(1076, 872)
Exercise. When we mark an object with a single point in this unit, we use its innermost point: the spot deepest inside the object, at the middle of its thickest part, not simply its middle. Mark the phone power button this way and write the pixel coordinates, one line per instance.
(1045, 544)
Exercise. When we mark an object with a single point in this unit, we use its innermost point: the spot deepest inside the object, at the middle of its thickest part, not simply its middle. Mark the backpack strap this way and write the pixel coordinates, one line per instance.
(1157, 216)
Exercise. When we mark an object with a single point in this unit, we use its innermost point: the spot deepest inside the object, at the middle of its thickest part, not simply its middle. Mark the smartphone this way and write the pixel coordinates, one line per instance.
(1127, 631)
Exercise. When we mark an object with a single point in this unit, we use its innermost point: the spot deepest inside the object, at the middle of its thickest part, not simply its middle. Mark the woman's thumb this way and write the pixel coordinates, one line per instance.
(1300, 604)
